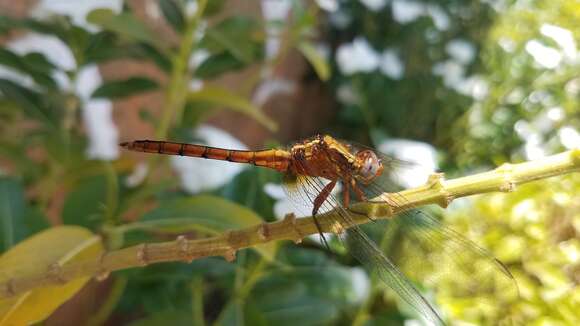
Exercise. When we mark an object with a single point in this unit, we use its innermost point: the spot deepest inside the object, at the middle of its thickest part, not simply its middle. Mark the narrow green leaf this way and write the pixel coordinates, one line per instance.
(17, 219)
(55, 27)
(38, 62)
(318, 62)
(225, 98)
(124, 88)
(10, 59)
(149, 52)
(235, 35)
(213, 7)
(11, 212)
(218, 64)
(33, 64)
(28, 100)
(173, 14)
(125, 24)
(84, 205)
(106, 45)
(302, 311)
(173, 317)
(197, 301)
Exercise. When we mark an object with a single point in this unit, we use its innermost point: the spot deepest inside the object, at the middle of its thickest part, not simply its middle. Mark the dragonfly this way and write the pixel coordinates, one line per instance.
(314, 167)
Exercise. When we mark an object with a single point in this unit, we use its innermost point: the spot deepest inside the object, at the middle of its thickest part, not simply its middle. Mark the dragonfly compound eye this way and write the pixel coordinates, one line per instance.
(370, 165)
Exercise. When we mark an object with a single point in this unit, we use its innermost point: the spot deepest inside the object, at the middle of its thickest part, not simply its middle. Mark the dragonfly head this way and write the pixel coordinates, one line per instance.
(369, 166)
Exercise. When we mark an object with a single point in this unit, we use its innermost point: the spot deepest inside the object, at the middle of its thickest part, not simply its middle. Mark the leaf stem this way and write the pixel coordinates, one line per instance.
(180, 74)
(112, 196)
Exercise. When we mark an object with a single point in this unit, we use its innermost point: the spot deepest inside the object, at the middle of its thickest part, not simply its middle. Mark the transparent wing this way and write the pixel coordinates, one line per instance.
(437, 255)
(362, 247)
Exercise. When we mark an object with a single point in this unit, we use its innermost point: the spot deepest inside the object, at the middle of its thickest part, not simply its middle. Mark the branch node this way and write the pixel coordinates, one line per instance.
(263, 232)
(103, 273)
(506, 170)
(290, 220)
(183, 248)
(436, 181)
(142, 255)
(54, 271)
(230, 254)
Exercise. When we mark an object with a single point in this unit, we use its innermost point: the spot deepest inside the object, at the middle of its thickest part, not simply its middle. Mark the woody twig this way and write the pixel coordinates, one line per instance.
(436, 191)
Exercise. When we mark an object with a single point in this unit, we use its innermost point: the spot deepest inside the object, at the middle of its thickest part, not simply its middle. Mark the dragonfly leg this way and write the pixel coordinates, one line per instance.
(346, 195)
(318, 201)
(360, 195)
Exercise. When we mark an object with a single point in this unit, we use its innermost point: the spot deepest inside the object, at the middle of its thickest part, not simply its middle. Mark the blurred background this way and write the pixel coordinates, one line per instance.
(457, 86)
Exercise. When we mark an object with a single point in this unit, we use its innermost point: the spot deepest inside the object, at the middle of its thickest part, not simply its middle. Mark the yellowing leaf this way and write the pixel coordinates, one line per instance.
(231, 101)
(62, 245)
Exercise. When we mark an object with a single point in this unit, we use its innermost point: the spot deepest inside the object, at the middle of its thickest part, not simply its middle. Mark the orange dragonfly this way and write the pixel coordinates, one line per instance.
(314, 167)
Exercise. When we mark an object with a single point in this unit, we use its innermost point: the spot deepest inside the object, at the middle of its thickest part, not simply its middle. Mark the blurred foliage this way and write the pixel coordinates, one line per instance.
(535, 232)
(522, 94)
(47, 177)
(418, 105)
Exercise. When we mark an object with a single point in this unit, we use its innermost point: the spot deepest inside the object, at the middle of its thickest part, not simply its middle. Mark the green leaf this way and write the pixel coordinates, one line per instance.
(53, 27)
(302, 310)
(11, 212)
(10, 59)
(218, 64)
(213, 7)
(38, 62)
(84, 204)
(209, 214)
(125, 24)
(30, 101)
(106, 45)
(33, 64)
(173, 14)
(149, 52)
(123, 88)
(235, 35)
(317, 61)
(222, 97)
(17, 219)
(170, 317)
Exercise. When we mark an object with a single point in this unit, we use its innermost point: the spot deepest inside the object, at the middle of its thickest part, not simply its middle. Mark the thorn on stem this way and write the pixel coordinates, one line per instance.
(263, 232)
(103, 274)
(230, 255)
(290, 219)
(183, 249)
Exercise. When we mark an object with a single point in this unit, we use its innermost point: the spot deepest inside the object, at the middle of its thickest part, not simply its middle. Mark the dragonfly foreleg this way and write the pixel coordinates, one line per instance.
(360, 195)
(322, 196)
(318, 201)
(346, 194)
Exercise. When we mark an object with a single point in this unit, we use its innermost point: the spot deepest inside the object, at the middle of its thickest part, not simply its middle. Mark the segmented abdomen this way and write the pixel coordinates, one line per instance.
(272, 158)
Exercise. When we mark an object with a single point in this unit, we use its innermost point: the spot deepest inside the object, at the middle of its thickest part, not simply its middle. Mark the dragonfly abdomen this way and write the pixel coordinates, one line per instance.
(271, 158)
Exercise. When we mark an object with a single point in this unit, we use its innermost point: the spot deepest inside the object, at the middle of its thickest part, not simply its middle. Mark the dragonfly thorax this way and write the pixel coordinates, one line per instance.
(325, 157)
